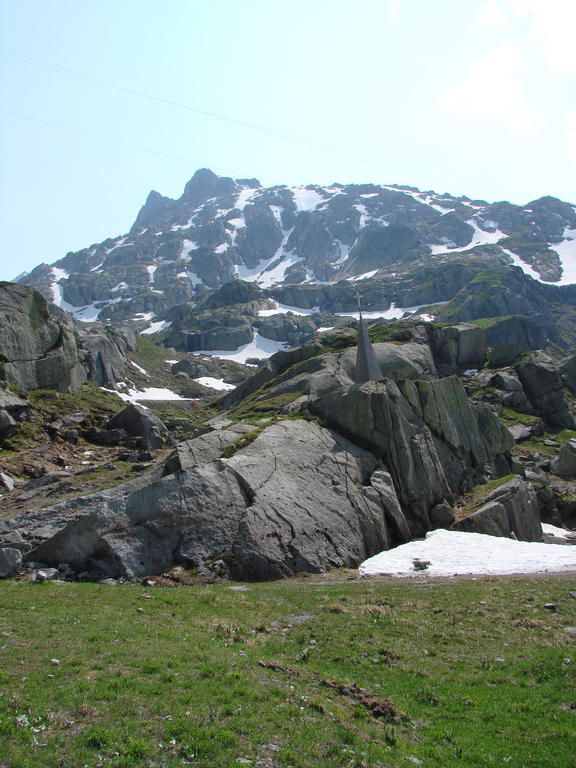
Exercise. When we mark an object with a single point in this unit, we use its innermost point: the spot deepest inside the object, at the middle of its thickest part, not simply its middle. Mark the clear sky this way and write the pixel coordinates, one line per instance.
(474, 97)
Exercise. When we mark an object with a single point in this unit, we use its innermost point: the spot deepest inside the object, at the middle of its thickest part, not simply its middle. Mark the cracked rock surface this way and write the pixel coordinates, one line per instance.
(296, 499)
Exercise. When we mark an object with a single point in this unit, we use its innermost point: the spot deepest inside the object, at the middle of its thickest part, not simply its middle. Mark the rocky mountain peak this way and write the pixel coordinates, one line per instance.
(206, 184)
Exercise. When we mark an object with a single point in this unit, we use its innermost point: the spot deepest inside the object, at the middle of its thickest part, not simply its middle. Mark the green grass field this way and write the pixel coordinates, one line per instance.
(305, 672)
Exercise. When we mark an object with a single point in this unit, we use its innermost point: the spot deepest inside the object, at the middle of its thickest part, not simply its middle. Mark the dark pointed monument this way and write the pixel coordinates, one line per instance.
(367, 368)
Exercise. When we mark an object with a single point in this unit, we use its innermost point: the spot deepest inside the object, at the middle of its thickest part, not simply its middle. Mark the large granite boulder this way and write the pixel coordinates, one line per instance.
(565, 464)
(37, 351)
(542, 384)
(139, 422)
(512, 508)
(458, 347)
(296, 499)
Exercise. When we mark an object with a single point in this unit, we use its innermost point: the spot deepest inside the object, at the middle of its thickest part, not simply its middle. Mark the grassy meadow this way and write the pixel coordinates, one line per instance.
(317, 671)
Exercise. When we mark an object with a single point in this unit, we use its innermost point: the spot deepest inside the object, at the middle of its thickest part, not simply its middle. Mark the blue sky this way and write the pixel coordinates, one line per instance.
(472, 97)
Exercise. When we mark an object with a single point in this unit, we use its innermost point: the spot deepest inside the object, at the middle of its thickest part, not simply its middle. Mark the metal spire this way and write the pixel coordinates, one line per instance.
(367, 367)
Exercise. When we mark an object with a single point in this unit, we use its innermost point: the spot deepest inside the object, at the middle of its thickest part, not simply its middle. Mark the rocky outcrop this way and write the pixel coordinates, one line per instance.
(458, 347)
(106, 350)
(510, 509)
(296, 499)
(522, 332)
(314, 375)
(13, 410)
(429, 438)
(36, 351)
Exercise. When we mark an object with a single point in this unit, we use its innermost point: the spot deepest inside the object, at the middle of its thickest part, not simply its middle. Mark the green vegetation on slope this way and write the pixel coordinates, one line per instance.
(302, 673)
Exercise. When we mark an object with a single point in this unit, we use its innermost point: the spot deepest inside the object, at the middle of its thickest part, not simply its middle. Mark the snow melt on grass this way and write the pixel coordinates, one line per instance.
(213, 383)
(452, 553)
(259, 348)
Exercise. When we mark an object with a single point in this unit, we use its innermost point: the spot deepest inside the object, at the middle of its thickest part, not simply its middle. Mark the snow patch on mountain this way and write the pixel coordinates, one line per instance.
(259, 348)
(245, 195)
(393, 313)
(213, 383)
(151, 269)
(149, 393)
(306, 199)
(480, 237)
(566, 250)
(281, 308)
(160, 325)
(269, 277)
(139, 368)
(58, 274)
(517, 262)
(187, 247)
(363, 276)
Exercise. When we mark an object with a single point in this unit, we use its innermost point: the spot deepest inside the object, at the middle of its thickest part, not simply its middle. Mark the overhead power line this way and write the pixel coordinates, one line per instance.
(348, 153)
(109, 139)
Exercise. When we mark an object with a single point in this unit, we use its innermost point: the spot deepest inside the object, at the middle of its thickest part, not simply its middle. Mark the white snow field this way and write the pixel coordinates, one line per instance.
(454, 553)
(150, 393)
(213, 383)
(259, 348)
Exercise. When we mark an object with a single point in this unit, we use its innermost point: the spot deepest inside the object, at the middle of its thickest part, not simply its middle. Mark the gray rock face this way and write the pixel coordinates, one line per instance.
(426, 433)
(491, 519)
(38, 352)
(458, 347)
(542, 384)
(106, 353)
(519, 500)
(398, 526)
(307, 509)
(523, 333)
(296, 499)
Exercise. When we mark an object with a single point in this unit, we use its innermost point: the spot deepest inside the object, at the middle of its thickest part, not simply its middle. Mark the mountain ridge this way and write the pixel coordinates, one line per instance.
(314, 247)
